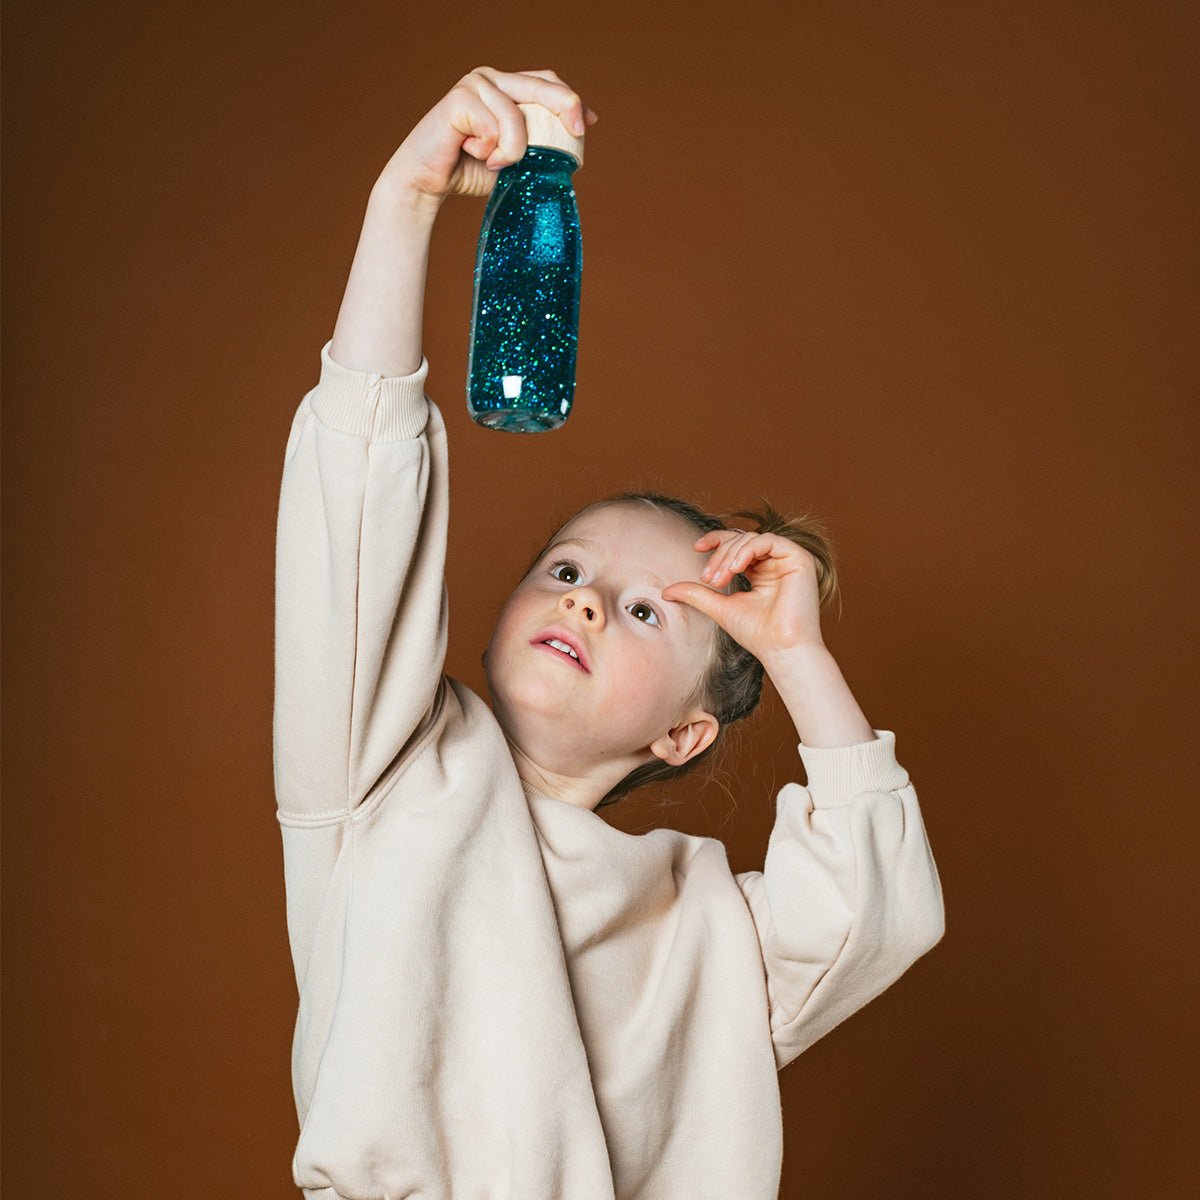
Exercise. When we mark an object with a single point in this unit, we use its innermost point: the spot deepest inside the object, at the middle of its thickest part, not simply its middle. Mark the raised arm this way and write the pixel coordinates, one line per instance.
(360, 597)
(849, 896)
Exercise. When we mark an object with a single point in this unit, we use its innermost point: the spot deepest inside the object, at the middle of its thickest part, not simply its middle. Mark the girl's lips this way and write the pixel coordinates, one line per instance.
(572, 662)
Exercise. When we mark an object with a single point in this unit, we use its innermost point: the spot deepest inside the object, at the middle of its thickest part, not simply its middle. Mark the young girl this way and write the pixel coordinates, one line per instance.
(501, 995)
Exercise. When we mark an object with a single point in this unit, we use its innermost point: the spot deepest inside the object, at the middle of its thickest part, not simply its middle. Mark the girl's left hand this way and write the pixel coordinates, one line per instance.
(782, 609)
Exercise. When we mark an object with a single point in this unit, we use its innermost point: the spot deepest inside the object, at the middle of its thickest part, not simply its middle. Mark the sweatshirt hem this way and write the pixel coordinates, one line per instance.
(381, 408)
(836, 774)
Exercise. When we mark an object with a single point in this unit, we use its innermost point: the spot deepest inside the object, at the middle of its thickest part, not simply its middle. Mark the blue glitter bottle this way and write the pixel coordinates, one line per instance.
(528, 271)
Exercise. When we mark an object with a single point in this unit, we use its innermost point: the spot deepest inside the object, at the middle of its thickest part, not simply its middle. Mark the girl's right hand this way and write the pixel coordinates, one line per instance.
(476, 128)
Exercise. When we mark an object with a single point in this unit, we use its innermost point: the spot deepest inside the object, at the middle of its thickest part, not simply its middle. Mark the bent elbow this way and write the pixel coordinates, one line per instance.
(931, 929)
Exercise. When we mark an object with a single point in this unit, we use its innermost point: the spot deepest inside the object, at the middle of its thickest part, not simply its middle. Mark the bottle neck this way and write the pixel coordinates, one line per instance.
(545, 160)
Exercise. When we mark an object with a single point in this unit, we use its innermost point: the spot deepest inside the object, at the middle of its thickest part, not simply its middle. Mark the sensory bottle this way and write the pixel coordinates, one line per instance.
(528, 266)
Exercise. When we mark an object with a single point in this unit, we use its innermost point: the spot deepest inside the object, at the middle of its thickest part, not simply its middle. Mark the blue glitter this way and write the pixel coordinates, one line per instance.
(547, 244)
(525, 311)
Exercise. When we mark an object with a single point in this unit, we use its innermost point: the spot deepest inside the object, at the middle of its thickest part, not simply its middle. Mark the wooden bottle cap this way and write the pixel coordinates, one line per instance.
(545, 128)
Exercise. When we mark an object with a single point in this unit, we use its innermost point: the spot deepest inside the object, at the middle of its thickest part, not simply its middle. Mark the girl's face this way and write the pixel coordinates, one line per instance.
(575, 733)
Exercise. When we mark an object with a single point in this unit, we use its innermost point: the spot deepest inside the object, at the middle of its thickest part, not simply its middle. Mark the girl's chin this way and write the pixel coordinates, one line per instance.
(538, 699)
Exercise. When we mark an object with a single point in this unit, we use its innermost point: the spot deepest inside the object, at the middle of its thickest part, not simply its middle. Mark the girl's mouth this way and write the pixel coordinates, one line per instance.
(560, 654)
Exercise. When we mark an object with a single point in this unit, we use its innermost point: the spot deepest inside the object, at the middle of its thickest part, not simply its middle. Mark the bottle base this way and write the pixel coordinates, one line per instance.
(518, 420)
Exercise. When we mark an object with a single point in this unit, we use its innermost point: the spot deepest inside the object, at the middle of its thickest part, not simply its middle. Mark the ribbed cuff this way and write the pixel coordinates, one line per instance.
(836, 774)
(382, 408)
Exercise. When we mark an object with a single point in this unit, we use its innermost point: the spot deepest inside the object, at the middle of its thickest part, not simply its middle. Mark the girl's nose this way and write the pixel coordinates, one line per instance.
(588, 612)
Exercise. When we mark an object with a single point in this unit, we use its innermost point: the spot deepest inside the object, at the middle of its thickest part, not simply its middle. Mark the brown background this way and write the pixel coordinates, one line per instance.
(927, 268)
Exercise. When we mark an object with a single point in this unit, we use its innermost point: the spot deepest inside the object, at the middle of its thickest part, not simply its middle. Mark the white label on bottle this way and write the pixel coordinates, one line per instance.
(512, 386)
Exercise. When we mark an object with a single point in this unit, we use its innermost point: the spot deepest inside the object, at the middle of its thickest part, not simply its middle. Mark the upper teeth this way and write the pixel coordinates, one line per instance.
(561, 646)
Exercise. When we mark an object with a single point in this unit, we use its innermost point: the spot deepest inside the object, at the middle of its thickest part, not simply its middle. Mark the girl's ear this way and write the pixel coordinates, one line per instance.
(677, 746)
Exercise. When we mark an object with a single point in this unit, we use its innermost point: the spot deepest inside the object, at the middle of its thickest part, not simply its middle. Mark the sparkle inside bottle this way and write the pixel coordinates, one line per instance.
(525, 310)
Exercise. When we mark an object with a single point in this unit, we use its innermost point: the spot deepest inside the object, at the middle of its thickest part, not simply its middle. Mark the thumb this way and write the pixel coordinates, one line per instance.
(704, 599)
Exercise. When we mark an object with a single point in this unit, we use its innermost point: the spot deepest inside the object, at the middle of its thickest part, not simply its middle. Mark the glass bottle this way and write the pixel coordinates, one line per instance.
(528, 267)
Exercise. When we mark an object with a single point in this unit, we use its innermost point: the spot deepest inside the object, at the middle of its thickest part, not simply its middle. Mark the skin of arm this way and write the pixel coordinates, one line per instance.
(379, 324)
(817, 697)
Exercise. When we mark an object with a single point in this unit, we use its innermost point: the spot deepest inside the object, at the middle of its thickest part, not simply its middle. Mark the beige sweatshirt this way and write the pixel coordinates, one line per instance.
(502, 996)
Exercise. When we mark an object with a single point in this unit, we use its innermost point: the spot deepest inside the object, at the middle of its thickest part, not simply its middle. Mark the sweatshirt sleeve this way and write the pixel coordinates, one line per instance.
(849, 896)
(360, 597)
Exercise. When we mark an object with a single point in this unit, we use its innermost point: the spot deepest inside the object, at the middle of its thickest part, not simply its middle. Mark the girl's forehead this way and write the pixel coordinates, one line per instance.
(651, 544)
(607, 524)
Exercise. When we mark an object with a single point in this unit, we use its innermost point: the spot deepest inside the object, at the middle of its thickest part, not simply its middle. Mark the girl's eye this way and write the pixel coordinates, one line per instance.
(636, 604)
(642, 604)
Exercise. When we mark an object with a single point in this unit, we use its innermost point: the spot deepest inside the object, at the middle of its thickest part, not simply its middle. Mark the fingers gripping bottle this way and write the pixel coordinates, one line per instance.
(528, 266)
